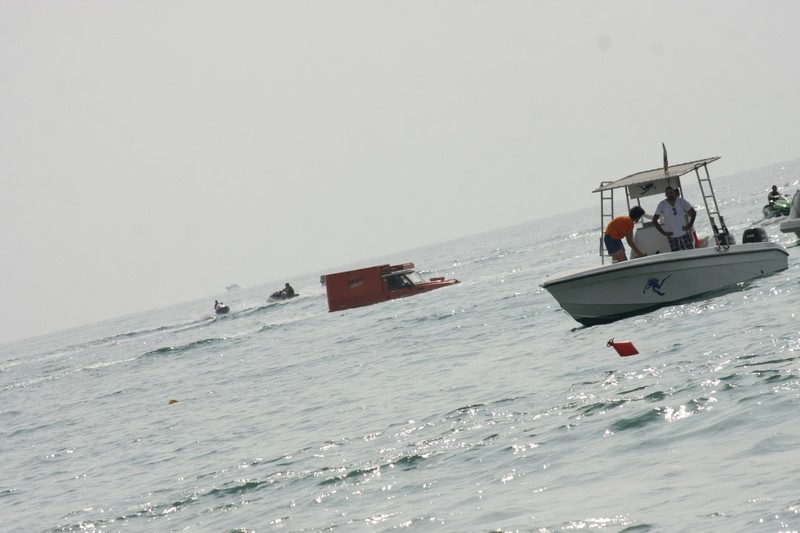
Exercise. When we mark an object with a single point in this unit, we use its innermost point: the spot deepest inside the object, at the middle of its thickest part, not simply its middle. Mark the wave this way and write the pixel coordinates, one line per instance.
(188, 347)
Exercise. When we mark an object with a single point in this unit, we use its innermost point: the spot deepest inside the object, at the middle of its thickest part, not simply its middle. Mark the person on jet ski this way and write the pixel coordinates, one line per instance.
(288, 291)
(774, 195)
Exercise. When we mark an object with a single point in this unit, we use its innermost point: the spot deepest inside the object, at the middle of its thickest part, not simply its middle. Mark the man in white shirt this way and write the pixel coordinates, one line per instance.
(678, 220)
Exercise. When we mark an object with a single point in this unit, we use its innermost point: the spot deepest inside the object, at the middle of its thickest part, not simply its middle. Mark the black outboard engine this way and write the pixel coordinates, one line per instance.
(755, 235)
(726, 239)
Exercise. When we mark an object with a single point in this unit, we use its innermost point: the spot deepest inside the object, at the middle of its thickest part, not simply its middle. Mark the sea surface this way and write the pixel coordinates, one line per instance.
(480, 407)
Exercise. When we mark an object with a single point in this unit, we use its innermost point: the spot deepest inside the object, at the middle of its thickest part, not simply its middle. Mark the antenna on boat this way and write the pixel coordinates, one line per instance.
(666, 164)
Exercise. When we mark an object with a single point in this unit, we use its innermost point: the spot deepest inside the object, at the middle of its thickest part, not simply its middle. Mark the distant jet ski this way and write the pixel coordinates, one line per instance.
(286, 293)
(279, 295)
(220, 308)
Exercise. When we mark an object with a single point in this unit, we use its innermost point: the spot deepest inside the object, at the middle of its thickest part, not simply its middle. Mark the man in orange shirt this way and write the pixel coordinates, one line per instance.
(622, 227)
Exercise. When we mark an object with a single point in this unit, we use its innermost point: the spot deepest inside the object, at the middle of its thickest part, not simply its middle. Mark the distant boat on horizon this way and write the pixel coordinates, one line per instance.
(233, 287)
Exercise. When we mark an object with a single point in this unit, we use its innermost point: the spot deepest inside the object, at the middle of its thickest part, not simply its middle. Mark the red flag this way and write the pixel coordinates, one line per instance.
(666, 165)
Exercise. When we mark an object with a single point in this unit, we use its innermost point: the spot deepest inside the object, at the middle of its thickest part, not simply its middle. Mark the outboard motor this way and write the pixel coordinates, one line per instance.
(755, 235)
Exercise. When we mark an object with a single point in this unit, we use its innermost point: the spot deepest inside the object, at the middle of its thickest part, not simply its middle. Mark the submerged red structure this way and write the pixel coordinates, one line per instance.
(371, 285)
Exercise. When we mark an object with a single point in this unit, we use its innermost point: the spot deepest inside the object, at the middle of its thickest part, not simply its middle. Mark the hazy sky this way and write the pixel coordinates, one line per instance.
(154, 152)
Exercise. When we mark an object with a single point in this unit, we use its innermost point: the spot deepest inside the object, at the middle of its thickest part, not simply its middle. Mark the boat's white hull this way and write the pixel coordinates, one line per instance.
(791, 226)
(607, 293)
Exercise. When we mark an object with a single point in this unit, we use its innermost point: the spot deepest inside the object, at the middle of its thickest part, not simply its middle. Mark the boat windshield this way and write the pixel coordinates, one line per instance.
(402, 280)
(415, 278)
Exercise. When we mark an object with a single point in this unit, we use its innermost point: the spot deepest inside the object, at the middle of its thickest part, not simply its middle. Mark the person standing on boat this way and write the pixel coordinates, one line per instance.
(619, 228)
(678, 215)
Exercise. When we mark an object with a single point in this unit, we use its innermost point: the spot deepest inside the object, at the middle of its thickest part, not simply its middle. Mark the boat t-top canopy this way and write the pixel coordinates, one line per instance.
(646, 180)
(655, 181)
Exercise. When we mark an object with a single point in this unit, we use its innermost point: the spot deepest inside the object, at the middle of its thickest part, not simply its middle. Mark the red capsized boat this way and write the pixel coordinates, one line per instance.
(371, 285)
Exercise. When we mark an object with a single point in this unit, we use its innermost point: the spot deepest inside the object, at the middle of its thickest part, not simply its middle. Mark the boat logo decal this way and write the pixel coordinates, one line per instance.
(655, 285)
(646, 188)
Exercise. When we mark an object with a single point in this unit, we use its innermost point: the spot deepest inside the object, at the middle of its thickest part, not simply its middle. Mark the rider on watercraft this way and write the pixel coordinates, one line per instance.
(774, 195)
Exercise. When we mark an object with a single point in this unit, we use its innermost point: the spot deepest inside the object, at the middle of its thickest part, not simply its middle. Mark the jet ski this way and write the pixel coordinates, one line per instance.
(778, 208)
(220, 308)
(281, 295)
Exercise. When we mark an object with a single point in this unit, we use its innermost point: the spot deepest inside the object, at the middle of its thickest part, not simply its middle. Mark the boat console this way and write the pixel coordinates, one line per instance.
(650, 240)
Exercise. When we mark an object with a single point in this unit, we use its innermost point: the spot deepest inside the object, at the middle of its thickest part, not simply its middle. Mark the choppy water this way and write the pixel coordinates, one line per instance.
(478, 407)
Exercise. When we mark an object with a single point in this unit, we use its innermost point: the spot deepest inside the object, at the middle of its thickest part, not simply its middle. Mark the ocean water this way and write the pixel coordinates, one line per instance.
(478, 407)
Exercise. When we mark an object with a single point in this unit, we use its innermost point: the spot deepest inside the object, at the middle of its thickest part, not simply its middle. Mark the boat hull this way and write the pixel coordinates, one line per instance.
(791, 226)
(611, 292)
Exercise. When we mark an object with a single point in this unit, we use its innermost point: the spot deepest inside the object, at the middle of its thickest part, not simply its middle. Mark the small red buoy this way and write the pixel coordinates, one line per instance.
(624, 348)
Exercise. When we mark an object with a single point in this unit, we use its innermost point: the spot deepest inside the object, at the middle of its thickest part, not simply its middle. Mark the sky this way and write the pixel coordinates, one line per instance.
(154, 152)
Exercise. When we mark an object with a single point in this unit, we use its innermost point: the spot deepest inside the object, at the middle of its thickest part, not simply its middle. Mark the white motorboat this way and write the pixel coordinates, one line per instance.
(617, 290)
(792, 224)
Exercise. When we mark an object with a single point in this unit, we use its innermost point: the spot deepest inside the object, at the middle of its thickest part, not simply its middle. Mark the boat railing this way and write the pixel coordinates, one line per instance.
(606, 216)
(721, 234)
